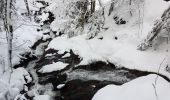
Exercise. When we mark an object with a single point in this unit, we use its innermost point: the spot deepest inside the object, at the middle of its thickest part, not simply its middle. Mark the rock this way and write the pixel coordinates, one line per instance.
(26, 58)
(119, 21)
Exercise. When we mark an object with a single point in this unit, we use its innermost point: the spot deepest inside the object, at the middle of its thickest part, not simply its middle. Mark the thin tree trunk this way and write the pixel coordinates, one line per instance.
(130, 3)
(93, 3)
(111, 7)
(9, 33)
(83, 10)
(27, 7)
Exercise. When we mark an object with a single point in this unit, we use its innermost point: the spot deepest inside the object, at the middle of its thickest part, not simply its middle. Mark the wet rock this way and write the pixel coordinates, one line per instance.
(40, 41)
(51, 18)
(26, 58)
(56, 77)
(53, 77)
(119, 21)
(55, 57)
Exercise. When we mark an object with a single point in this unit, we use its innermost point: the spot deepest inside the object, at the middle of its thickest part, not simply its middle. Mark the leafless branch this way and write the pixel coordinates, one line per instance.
(156, 79)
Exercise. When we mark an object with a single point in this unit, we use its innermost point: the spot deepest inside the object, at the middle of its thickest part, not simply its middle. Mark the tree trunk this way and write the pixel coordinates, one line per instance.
(9, 33)
(130, 3)
(111, 8)
(27, 7)
(93, 3)
(83, 13)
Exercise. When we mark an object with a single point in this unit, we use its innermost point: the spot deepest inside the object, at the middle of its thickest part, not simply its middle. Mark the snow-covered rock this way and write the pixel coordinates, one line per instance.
(143, 88)
(53, 67)
(60, 86)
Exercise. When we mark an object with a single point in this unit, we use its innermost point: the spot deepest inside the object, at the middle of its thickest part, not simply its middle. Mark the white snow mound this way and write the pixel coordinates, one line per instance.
(139, 89)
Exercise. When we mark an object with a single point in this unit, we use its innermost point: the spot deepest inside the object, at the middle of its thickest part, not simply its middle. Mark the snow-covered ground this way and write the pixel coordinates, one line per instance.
(42, 97)
(142, 88)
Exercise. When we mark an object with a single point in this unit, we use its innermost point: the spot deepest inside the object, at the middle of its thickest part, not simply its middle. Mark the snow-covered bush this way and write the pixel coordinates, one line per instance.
(70, 16)
(1, 8)
(95, 24)
(160, 30)
(18, 79)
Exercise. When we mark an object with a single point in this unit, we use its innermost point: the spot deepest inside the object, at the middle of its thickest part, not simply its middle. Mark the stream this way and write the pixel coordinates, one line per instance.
(80, 83)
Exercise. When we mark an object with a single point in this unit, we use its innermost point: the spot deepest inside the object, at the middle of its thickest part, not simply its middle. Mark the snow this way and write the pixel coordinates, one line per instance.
(24, 36)
(153, 10)
(18, 77)
(48, 55)
(44, 16)
(60, 86)
(53, 67)
(42, 97)
(17, 82)
(24, 40)
(123, 51)
(139, 89)
(76, 43)
(66, 55)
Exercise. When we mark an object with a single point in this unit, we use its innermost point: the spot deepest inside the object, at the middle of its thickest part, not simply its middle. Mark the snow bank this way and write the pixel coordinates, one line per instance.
(53, 67)
(139, 89)
(24, 38)
(88, 50)
(19, 78)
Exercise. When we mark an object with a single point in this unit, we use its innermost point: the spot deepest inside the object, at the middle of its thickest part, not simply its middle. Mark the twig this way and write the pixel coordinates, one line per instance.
(155, 83)
(155, 91)
(159, 70)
